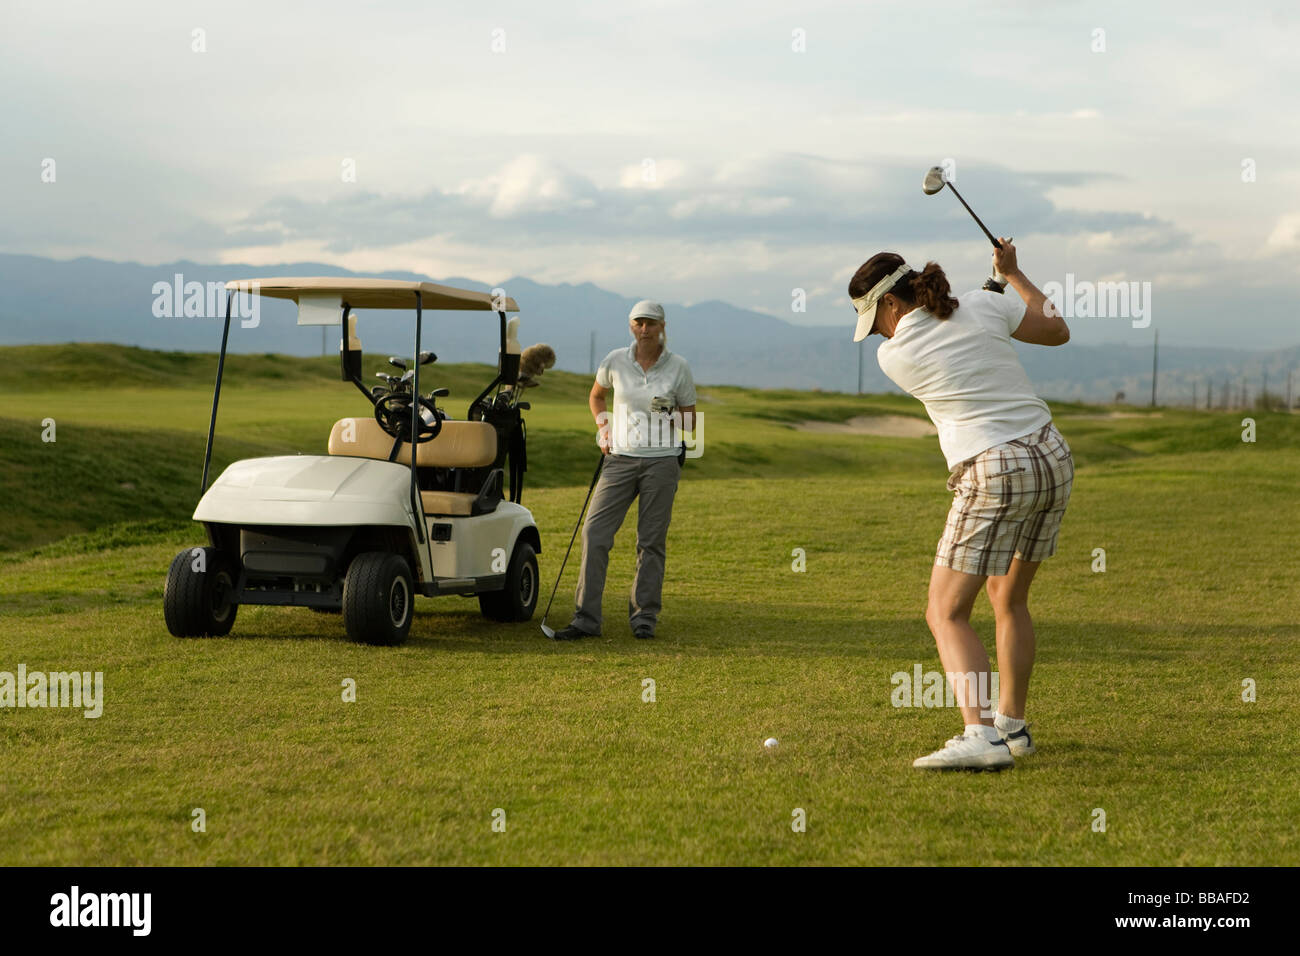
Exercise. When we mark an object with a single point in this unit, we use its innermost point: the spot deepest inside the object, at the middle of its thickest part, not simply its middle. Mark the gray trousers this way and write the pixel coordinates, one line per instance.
(622, 478)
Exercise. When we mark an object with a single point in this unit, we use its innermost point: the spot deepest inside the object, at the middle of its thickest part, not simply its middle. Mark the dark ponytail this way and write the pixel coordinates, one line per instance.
(927, 289)
(930, 290)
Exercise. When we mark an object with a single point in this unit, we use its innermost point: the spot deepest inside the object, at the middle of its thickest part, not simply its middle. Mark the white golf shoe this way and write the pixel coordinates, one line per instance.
(968, 751)
(1019, 742)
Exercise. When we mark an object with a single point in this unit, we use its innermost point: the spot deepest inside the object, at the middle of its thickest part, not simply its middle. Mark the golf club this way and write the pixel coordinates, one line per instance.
(934, 182)
(549, 631)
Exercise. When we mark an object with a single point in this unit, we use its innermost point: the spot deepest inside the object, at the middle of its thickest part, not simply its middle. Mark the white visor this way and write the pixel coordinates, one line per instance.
(866, 305)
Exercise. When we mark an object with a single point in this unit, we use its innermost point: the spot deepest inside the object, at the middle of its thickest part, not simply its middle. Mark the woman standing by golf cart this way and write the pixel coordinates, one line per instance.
(1010, 472)
(643, 460)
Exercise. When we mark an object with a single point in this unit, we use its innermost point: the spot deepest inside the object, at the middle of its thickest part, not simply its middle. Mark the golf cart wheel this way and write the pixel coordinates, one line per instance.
(518, 599)
(199, 596)
(378, 599)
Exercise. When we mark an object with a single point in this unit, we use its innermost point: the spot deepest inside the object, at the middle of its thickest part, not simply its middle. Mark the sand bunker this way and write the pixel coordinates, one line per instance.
(1121, 415)
(891, 426)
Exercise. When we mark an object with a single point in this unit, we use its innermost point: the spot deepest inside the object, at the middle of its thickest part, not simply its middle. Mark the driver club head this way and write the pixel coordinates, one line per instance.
(934, 181)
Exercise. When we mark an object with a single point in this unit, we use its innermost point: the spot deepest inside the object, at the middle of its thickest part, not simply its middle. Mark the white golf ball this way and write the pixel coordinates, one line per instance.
(770, 743)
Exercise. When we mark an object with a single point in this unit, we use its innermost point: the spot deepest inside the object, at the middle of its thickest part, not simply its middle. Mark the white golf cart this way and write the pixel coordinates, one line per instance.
(366, 527)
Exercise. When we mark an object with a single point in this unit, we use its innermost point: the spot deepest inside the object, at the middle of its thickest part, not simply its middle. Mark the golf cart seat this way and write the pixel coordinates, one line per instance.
(459, 445)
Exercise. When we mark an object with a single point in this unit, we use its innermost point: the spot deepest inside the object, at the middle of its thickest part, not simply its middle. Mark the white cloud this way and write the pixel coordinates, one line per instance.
(530, 184)
(1285, 236)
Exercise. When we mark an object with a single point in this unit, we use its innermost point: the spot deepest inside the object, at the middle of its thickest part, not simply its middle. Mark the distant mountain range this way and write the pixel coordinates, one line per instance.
(93, 300)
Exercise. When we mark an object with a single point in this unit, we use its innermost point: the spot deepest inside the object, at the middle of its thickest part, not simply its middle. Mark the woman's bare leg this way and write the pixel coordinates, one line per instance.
(952, 595)
(1009, 595)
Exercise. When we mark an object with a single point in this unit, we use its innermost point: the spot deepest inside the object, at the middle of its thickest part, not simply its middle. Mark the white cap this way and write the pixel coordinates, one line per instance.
(866, 305)
(645, 309)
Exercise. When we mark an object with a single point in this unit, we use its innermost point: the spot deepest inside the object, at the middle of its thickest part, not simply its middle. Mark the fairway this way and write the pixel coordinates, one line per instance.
(1137, 698)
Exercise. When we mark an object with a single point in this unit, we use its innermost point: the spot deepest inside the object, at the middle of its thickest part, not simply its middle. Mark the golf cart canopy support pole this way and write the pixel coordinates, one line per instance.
(216, 392)
(346, 352)
(500, 364)
(415, 429)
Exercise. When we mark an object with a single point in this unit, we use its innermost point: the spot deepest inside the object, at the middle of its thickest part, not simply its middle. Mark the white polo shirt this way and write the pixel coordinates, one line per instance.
(640, 423)
(966, 372)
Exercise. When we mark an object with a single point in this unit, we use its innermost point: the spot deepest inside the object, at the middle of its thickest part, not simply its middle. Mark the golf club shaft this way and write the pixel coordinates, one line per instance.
(590, 488)
(996, 244)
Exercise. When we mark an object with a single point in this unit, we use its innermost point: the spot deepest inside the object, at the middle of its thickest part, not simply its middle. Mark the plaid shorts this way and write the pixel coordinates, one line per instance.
(1008, 501)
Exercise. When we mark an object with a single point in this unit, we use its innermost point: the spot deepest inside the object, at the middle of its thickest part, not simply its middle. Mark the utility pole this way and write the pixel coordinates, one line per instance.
(1209, 394)
(1155, 353)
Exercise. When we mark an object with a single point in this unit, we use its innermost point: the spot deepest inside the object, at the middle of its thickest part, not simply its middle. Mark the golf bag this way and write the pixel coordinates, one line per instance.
(512, 445)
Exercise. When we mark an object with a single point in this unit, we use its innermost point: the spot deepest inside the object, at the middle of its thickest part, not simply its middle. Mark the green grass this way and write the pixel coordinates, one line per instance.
(1136, 700)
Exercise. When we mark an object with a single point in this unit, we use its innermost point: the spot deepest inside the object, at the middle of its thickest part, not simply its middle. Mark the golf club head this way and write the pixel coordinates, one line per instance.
(934, 181)
(548, 631)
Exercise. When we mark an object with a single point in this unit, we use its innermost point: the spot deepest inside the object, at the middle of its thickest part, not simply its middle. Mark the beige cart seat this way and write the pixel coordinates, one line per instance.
(458, 445)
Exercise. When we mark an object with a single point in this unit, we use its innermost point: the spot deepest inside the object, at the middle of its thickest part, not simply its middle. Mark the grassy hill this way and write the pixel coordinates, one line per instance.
(131, 424)
(1137, 701)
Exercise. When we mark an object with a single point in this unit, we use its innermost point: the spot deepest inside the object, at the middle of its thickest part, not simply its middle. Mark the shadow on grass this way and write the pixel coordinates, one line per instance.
(716, 628)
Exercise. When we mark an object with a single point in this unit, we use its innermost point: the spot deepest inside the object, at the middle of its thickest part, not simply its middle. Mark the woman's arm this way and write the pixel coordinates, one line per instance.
(688, 417)
(1042, 324)
(596, 402)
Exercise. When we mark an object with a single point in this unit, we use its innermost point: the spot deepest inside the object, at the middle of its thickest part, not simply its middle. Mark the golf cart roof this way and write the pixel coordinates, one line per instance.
(373, 293)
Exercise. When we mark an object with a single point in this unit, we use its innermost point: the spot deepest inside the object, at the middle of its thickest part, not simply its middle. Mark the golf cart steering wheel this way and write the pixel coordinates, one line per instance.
(393, 413)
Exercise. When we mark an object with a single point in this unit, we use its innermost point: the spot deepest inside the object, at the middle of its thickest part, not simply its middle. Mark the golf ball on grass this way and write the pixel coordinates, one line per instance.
(771, 743)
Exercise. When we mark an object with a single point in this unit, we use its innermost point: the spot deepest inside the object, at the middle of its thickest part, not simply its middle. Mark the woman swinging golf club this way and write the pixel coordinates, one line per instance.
(1010, 472)
(643, 459)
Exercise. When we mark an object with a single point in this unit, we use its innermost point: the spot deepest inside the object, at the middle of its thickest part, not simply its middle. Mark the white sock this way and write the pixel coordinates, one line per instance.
(1008, 725)
(990, 733)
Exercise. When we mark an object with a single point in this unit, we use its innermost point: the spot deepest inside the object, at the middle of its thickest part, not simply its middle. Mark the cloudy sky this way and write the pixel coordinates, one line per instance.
(679, 150)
